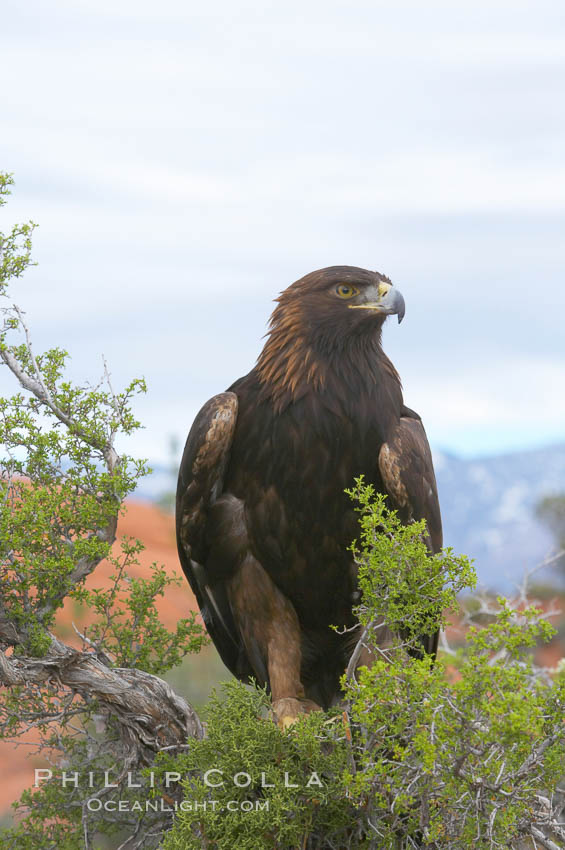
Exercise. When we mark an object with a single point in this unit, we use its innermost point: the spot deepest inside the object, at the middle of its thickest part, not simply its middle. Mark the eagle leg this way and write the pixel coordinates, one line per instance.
(271, 634)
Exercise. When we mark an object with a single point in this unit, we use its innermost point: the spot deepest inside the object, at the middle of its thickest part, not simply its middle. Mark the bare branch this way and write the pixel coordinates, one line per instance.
(544, 840)
(149, 713)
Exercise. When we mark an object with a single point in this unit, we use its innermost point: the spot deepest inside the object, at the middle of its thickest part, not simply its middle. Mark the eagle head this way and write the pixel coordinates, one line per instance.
(327, 318)
(333, 291)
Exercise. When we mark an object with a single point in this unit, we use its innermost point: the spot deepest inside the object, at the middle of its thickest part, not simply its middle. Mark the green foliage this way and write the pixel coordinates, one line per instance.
(15, 247)
(447, 762)
(62, 483)
(291, 783)
(460, 753)
(460, 763)
(62, 487)
(400, 582)
(127, 626)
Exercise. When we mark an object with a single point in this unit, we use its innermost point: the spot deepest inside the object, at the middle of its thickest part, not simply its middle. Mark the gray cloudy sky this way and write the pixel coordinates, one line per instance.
(187, 161)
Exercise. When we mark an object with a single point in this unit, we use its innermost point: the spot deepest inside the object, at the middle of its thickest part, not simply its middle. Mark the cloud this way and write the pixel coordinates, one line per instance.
(186, 164)
(493, 406)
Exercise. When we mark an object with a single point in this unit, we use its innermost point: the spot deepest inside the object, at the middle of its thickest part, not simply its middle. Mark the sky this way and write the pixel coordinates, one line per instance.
(187, 161)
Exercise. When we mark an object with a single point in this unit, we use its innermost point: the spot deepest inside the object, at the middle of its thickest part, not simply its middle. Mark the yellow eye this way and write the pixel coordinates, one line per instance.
(345, 291)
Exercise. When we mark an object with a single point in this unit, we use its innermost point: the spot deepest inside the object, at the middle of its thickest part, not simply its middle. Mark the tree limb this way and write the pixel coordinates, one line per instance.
(149, 714)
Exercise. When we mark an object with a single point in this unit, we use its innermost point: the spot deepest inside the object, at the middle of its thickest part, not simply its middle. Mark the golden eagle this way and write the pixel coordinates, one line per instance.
(263, 523)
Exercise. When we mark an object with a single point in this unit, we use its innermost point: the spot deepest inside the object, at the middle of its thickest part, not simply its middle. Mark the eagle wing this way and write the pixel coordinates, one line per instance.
(200, 485)
(407, 472)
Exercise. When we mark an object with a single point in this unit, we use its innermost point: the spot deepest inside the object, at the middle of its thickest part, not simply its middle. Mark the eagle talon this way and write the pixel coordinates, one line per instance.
(287, 710)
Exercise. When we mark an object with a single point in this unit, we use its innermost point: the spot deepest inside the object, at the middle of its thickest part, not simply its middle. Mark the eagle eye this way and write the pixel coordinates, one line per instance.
(345, 291)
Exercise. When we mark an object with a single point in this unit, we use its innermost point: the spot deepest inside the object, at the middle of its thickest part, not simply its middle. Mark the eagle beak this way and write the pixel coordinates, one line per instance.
(388, 300)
